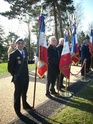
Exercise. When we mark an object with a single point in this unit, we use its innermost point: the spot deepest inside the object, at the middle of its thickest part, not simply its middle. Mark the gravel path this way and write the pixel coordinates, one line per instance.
(7, 113)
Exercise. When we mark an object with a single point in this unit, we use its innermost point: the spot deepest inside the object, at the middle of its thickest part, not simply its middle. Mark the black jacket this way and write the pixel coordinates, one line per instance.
(18, 66)
(53, 59)
(85, 54)
(59, 48)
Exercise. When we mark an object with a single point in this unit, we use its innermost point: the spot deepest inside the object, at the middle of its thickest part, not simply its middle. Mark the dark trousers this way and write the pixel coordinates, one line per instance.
(20, 90)
(51, 79)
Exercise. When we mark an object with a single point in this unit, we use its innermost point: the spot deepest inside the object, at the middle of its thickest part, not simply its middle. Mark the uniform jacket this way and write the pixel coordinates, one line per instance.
(18, 67)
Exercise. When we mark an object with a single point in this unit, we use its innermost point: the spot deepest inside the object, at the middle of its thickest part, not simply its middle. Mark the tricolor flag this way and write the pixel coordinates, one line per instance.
(65, 59)
(75, 47)
(42, 48)
(91, 36)
(91, 42)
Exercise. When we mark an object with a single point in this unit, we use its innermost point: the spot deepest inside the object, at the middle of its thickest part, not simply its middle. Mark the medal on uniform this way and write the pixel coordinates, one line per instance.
(19, 62)
(18, 57)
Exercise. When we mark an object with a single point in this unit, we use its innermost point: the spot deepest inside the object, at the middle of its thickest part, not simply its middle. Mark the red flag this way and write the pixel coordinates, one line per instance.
(91, 43)
(65, 59)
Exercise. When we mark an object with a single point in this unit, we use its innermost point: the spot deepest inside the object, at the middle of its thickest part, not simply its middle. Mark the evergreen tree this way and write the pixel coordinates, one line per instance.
(58, 8)
(81, 37)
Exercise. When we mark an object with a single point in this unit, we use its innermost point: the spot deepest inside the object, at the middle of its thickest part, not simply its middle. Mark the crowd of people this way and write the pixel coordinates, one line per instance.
(18, 67)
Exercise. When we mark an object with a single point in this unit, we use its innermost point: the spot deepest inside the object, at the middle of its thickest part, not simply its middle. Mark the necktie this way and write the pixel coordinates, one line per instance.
(23, 54)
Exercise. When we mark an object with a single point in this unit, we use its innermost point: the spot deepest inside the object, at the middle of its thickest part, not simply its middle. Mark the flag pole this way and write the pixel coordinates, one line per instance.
(41, 11)
(35, 85)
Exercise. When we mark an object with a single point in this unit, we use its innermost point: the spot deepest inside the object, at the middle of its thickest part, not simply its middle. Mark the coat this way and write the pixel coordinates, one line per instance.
(53, 59)
(18, 67)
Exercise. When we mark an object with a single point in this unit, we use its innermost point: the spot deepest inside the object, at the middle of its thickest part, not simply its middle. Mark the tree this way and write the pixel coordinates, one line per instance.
(1, 42)
(57, 8)
(90, 26)
(79, 16)
(1, 34)
(81, 37)
(23, 11)
(11, 38)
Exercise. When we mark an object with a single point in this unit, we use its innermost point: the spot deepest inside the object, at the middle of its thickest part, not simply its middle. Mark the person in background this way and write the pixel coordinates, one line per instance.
(84, 56)
(53, 66)
(60, 76)
(11, 48)
(18, 68)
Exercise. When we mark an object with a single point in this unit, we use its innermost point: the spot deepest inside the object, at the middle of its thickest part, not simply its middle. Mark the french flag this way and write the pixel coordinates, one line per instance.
(42, 48)
(91, 42)
(65, 59)
(91, 36)
(75, 47)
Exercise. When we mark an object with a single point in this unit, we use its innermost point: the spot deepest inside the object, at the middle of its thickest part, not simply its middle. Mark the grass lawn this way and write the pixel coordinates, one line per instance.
(3, 68)
(79, 109)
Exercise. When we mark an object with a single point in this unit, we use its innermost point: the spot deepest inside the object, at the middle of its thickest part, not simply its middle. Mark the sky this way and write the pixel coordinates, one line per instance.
(14, 25)
(18, 28)
(87, 6)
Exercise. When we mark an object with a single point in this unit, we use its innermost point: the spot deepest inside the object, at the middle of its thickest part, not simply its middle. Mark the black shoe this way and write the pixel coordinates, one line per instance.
(48, 94)
(62, 86)
(27, 106)
(54, 92)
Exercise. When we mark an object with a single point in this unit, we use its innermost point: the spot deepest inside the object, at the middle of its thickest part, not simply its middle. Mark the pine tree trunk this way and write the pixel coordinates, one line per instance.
(60, 19)
(55, 18)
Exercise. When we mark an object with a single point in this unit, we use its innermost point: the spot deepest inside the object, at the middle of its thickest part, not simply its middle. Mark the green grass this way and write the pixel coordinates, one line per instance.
(31, 66)
(79, 109)
(3, 68)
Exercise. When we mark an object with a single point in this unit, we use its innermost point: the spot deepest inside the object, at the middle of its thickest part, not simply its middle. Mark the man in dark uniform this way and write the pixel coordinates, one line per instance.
(85, 56)
(53, 66)
(18, 68)
(60, 76)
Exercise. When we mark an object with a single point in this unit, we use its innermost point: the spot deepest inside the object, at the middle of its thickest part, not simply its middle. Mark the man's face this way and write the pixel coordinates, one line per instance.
(62, 43)
(20, 45)
(54, 41)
